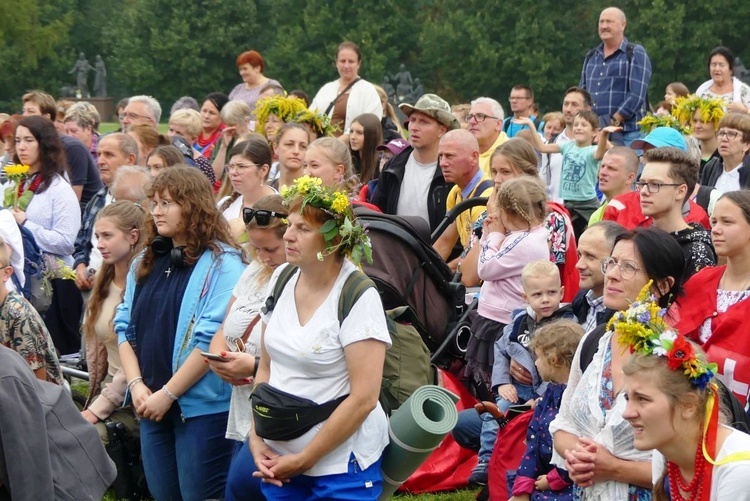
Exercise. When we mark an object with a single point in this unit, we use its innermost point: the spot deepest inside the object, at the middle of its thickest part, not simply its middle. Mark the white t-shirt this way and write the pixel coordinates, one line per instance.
(415, 188)
(729, 181)
(728, 481)
(234, 211)
(250, 295)
(551, 176)
(12, 236)
(309, 361)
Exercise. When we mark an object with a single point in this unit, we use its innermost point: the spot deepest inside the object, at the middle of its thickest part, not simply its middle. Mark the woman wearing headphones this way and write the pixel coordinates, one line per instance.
(176, 297)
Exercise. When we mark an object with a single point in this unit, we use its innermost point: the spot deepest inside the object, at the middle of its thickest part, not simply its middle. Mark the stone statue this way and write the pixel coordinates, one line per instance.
(417, 91)
(403, 88)
(81, 69)
(740, 71)
(389, 90)
(100, 80)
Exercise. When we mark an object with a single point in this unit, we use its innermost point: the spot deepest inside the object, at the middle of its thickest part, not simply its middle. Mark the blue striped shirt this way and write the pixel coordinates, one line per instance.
(615, 85)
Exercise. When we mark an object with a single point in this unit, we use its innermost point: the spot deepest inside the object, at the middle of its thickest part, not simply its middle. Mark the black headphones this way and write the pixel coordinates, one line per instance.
(161, 246)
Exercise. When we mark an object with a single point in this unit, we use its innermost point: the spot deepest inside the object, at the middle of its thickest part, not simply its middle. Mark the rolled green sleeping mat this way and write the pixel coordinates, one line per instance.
(416, 429)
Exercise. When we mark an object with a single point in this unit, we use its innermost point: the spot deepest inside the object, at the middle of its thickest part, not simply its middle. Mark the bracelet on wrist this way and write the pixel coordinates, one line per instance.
(169, 393)
(133, 382)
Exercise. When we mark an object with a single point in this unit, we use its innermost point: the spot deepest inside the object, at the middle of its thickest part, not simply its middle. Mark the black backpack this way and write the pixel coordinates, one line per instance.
(407, 362)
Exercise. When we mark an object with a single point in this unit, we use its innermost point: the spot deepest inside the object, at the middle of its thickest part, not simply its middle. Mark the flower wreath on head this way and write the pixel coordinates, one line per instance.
(642, 328)
(712, 110)
(320, 122)
(651, 121)
(284, 107)
(343, 232)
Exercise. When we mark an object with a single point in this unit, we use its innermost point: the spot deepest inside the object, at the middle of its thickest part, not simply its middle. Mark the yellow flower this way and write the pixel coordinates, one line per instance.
(16, 170)
(340, 203)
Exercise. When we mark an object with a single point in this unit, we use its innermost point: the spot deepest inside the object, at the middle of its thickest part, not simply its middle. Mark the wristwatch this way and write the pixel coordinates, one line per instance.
(614, 121)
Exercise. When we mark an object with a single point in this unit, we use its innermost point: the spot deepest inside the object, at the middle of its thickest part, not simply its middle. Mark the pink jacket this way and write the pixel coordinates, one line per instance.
(500, 263)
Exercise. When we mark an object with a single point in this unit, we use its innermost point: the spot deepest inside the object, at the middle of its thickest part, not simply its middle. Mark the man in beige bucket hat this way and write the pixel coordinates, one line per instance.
(412, 182)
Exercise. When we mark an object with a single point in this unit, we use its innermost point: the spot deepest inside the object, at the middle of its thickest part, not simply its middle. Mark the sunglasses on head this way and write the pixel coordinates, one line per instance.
(262, 217)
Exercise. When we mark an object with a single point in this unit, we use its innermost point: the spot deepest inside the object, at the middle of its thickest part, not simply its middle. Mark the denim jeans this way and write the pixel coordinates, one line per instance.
(241, 485)
(488, 435)
(624, 138)
(186, 459)
(354, 485)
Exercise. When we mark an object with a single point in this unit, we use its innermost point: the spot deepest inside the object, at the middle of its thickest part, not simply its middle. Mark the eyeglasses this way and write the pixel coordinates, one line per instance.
(239, 167)
(628, 269)
(132, 116)
(262, 217)
(163, 206)
(729, 134)
(479, 117)
(654, 187)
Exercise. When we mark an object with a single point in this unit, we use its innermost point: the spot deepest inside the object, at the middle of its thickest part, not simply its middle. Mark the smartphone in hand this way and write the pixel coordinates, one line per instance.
(214, 357)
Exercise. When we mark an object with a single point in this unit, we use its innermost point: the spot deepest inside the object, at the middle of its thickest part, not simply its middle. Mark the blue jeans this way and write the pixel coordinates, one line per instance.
(186, 459)
(354, 485)
(488, 435)
(241, 485)
(625, 138)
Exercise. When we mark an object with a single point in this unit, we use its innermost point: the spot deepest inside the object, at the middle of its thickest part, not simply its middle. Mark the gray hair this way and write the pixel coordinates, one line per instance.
(152, 104)
(130, 183)
(185, 103)
(497, 109)
(235, 112)
(87, 108)
(125, 143)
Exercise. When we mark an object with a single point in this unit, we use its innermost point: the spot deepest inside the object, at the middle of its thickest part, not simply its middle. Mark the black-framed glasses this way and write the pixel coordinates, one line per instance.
(729, 134)
(628, 269)
(261, 216)
(654, 187)
(479, 117)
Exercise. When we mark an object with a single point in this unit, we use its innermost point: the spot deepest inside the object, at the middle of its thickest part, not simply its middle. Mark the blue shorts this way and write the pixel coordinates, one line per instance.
(354, 485)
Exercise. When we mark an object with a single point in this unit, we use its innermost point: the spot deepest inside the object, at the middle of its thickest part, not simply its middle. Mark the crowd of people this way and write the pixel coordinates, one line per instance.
(201, 270)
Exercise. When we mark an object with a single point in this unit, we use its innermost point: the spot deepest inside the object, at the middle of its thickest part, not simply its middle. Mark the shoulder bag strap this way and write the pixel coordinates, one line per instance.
(346, 89)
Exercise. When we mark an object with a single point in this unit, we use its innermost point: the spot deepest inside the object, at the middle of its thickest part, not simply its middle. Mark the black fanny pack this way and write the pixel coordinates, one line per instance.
(278, 415)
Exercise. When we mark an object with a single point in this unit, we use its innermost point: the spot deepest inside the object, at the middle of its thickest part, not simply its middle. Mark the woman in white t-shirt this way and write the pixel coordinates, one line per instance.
(307, 352)
(240, 342)
(673, 408)
(249, 162)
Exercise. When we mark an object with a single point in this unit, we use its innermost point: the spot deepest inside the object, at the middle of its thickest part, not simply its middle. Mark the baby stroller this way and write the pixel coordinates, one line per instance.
(409, 272)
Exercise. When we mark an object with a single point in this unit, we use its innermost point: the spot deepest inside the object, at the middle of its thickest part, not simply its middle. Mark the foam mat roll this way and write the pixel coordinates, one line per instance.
(416, 429)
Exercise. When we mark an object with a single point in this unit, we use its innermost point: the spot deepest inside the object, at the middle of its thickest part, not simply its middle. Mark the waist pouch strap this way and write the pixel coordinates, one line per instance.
(278, 415)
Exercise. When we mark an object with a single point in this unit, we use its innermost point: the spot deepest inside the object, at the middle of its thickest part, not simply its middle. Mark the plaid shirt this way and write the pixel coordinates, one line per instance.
(596, 306)
(615, 85)
(83, 240)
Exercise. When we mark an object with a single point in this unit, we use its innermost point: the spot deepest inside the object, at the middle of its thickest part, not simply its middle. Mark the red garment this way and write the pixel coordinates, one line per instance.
(729, 344)
(568, 271)
(206, 144)
(626, 210)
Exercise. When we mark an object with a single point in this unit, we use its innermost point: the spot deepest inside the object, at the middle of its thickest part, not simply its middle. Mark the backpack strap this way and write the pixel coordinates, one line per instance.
(284, 276)
(481, 187)
(356, 284)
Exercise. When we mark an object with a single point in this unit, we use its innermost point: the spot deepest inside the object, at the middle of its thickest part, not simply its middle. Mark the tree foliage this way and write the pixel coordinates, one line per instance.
(460, 49)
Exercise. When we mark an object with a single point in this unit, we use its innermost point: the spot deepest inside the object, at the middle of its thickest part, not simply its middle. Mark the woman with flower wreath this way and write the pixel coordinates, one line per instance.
(673, 408)
(702, 115)
(334, 367)
(43, 202)
(716, 305)
(591, 439)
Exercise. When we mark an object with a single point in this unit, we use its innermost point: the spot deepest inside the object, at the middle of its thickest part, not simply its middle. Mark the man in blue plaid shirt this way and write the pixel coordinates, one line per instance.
(617, 74)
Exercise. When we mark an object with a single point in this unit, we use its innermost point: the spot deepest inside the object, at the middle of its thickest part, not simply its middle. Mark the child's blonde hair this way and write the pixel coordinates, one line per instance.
(524, 198)
(557, 342)
(540, 268)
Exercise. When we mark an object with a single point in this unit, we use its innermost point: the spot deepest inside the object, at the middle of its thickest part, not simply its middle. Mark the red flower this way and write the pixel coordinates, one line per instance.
(681, 350)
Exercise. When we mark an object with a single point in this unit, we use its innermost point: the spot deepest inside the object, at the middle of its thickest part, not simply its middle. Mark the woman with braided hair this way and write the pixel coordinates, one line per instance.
(513, 235)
